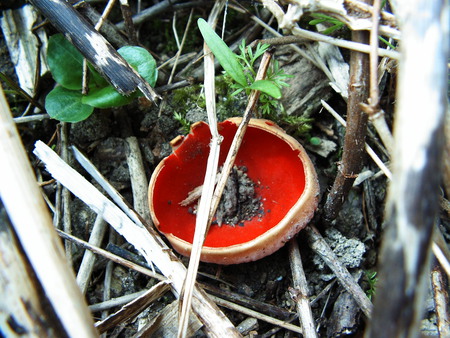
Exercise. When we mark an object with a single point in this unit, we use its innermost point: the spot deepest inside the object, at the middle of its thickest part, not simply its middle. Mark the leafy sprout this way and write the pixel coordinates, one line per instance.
(372, 280)
(181, 118)
(66, 103)
(242, 66)
(337, 24)
(229, 61)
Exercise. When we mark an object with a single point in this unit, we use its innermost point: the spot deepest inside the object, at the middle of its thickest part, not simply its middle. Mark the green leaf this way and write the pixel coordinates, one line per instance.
(65, 62)
(141, 60)
(260, 49)
(106, 98)
(223, 53)
(331, 29)
(267, 87)
(65, 105)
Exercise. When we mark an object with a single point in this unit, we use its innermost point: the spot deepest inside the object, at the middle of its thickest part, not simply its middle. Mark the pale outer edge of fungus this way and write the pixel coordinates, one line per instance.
(296, 218)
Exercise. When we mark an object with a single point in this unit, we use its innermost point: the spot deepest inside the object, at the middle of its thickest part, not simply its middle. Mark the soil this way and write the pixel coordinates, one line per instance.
(239, 201)
(354, 236)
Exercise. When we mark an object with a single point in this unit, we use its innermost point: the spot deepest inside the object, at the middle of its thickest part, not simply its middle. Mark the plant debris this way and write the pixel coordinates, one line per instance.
(239, 201)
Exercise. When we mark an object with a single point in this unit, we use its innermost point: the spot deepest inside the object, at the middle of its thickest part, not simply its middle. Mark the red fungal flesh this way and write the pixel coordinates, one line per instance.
(271, 163)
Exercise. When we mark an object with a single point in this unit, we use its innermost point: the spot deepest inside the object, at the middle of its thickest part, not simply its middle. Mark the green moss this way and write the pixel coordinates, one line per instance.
(188, 95)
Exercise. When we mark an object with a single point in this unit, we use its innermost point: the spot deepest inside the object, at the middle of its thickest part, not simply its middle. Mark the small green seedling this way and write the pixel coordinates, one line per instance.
(372, 279)
(336, 25)
(66, 103)
(185, 124)
(230, 63)
(241, 69)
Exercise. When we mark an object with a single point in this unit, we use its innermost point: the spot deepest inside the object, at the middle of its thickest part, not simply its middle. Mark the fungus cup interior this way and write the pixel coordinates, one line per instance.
(272, 164)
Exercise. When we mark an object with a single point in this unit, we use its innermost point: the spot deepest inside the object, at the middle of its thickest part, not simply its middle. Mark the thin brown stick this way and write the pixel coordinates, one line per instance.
(353, 154)
(376, 114)
(128, 20)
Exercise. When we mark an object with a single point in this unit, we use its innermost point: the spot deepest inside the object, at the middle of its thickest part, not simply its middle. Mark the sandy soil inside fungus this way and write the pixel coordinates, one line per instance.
(239, 201)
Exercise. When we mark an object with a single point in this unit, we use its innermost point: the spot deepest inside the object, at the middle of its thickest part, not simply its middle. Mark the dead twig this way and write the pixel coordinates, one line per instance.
(369, 150)
(305, 34)
(94, 47)
(133, 308)
(239, 136)
(127, 18)
(257, 315)
(87, 263)
(376, 114)
(112, 257)
(353, 152)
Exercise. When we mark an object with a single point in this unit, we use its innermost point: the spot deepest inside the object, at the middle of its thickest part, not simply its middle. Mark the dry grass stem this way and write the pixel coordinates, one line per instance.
(239, 136)
(65, 194)
(145, 240)
(202, 218)
(257, 315)
(413, 199)
(138, 177)
(133, 308)
(40, 243)
(87, 263)
(115, 302)
(110, 256)
(304, 34)
(300, 293)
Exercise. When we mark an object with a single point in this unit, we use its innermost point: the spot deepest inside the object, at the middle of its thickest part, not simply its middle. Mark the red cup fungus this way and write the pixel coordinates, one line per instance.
(285, 178)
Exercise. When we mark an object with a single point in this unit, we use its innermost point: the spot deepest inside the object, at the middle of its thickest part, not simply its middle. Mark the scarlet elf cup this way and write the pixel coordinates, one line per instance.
(286, 182)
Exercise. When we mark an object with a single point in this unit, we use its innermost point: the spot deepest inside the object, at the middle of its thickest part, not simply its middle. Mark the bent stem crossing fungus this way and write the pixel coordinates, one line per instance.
(286, 183)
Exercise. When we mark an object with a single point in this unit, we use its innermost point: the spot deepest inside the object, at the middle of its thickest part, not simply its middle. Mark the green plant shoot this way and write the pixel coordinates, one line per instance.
(229, 61)
(66, 103)
(223, 53)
